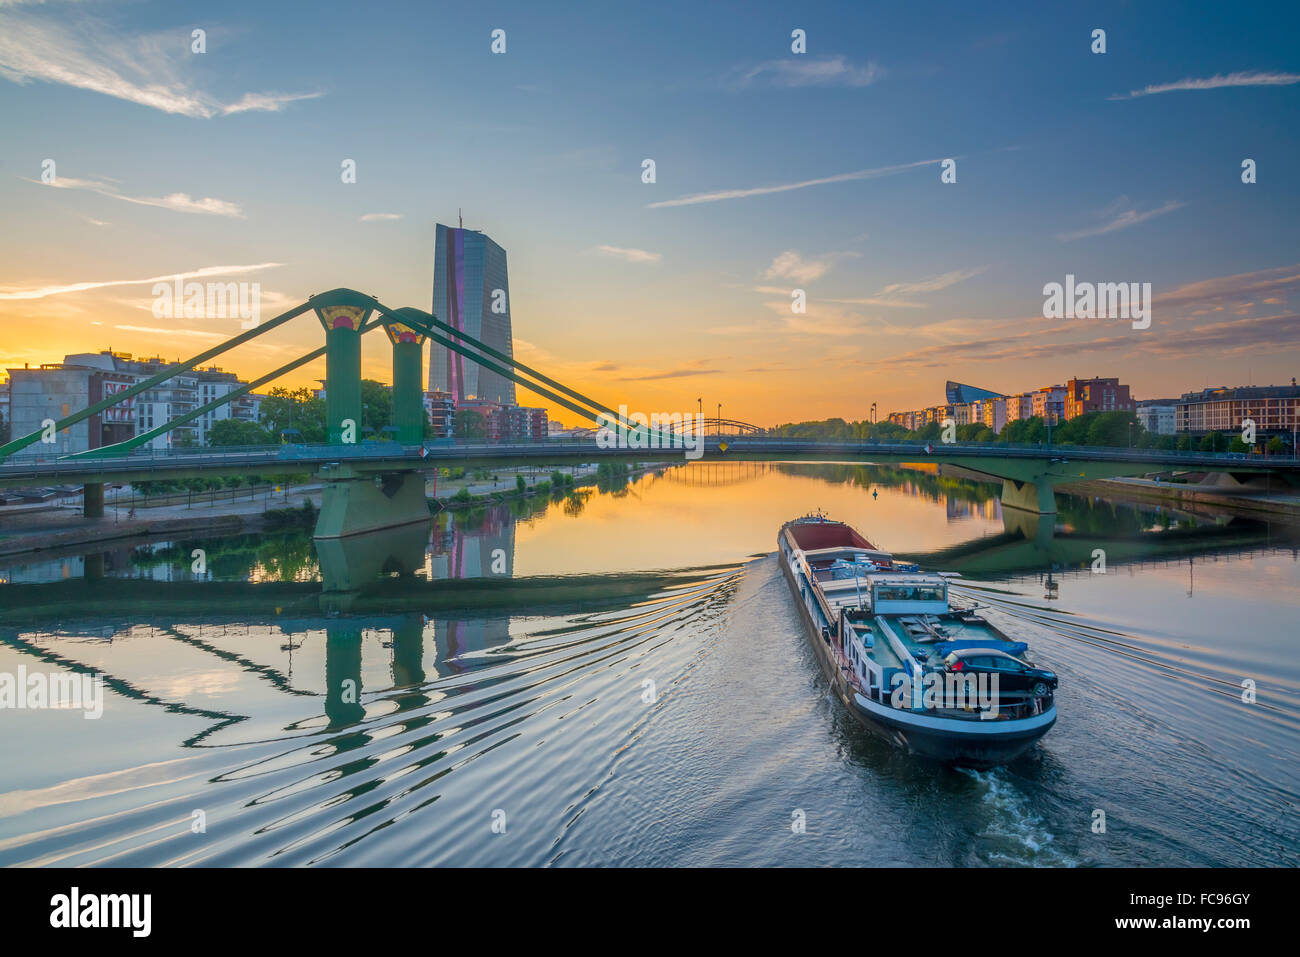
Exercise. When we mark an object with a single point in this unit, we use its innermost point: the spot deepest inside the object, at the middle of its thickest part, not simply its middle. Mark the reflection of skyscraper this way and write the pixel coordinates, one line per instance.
(486, 550)
(471, 293)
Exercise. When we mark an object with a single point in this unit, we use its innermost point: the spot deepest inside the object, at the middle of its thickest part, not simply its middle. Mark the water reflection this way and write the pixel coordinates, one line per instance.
(979, 538)
(372, 700)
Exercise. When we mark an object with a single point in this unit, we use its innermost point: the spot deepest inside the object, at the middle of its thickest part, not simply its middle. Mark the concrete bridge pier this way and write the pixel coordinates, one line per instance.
(408, 651)
(350, 565)
(93, 567)
(354, 502)
(92, 500)
(343, 674)
(1036, 496)
(1029, 484)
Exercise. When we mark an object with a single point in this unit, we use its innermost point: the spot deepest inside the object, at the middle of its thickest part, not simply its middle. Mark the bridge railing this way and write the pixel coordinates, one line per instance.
(294, 456)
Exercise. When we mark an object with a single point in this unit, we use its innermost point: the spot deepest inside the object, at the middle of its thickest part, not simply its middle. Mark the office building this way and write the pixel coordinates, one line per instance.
(1275, 410)
(471, 292)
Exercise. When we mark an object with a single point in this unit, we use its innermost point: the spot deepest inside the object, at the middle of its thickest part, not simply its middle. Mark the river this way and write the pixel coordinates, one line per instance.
(627, 683)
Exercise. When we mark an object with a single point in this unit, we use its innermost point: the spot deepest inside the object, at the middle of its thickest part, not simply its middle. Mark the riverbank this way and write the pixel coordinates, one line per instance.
(1260, 504)
(41, 531)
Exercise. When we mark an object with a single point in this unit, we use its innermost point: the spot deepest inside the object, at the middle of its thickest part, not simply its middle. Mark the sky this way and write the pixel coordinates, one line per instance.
(774, 170)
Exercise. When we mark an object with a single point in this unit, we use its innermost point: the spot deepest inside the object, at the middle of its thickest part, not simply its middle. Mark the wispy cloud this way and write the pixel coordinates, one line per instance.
(1264, 285)
(791, 265)
(810, 71)
(672, 374)
(380, 217)
(719, 195)
(627, 255)
(1216, 82)
(156, 331)
(265, 102)
(889, 295)
(880, 301)
(40, 292)
(176, 202)
(1122, 220)
(935, 283)
(90, 55)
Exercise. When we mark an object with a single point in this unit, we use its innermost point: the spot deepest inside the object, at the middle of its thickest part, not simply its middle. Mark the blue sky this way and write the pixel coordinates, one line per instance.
(656, 293)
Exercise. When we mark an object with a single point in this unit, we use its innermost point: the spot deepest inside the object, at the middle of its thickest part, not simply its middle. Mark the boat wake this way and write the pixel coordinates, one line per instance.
(1014, 834)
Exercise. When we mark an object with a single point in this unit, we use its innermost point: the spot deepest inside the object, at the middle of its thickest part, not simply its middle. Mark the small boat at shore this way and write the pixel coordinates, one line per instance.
(930, 675)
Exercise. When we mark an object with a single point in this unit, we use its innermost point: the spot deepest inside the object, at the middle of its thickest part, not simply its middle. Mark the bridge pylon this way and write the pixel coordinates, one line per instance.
(408, 380)
(343, 313)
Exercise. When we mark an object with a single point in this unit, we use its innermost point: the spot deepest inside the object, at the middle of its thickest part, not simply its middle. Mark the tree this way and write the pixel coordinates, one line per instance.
(1028, 431)
(1112, 429)
(238, 432)
(376, 407)
(1238, 444)
(470, 424)
(299, 409)
(1276, 446)
(1213, 443)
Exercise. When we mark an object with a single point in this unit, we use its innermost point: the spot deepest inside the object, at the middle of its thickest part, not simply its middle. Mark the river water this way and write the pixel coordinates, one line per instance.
(615, 718)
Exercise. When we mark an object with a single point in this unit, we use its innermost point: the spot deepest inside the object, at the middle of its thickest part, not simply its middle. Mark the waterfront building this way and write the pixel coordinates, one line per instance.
(957, 392)
(441, 410)
(213, 383)
(1049, 403)
(56, 390)
(994, 413)
(491, 413)
(1157, 415)
(1020, 406)
(1275, 410)
(522, 424)
(1095, 395)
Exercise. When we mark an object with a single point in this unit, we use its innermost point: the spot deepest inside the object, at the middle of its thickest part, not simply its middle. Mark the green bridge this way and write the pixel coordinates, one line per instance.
(375, 485)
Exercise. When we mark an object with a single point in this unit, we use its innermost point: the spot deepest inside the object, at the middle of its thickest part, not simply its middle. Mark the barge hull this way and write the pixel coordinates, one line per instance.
(981, 750)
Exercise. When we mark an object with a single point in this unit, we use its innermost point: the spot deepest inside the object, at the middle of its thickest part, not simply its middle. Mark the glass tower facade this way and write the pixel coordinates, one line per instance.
(471, 293)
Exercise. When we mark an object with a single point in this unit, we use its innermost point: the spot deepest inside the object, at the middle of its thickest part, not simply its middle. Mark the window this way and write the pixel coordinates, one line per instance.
(927, 592)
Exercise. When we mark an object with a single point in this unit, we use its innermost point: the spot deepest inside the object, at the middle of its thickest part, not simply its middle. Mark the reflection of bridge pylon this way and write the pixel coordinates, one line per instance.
(718, 474)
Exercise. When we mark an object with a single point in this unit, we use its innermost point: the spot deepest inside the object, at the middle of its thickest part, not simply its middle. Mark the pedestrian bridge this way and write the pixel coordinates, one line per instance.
(372, 485)
(1029, 474)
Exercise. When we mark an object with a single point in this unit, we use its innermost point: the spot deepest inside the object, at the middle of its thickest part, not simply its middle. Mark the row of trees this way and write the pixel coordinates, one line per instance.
(298, 415)
(1110, 429)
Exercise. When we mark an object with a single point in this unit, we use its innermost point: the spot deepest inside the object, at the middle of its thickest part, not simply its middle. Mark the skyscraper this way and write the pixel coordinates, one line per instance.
(472, 294)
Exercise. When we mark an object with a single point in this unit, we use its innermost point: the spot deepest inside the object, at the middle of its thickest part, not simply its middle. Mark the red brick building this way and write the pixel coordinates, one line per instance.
(1096, 395)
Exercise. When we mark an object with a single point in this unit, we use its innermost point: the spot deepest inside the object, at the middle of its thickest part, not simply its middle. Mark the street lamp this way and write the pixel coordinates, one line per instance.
(719, 418)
